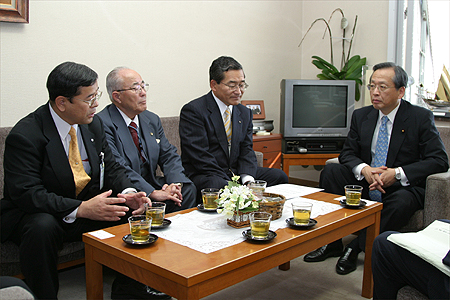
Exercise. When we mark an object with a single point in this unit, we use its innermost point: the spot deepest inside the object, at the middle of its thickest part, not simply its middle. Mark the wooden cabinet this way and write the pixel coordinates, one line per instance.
(270, 146)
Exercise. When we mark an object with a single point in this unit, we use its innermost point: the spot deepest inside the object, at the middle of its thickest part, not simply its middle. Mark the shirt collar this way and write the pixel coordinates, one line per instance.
(222, 106)
(390, 116)
(62, 126)
(127, 119)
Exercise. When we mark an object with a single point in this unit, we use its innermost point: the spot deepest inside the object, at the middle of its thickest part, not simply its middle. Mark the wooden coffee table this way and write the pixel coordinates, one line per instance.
(185, 273)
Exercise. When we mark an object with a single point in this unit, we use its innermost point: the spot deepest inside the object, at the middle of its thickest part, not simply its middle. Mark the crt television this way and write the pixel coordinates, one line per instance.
(316, 114)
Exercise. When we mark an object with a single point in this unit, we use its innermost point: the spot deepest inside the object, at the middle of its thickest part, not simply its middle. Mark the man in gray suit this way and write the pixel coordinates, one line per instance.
(138, 142)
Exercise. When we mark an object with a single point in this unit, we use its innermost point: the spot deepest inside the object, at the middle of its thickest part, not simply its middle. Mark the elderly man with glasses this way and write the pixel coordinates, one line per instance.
(138, 142)
(216, 132)
(390, 150)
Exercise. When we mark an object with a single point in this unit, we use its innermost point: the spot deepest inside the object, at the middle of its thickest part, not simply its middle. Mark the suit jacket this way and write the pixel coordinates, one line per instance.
(204, 142)
(156, 146)
(38, 177)
(415, 144)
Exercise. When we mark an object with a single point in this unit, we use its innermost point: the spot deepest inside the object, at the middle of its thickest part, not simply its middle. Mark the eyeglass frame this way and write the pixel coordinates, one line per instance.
(372, 87)
(242, 86)
(137, 88)
(94, 98)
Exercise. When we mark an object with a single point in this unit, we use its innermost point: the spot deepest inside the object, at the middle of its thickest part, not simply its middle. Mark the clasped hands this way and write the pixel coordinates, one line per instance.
(379, 178)
(105, 208)
(168, 192)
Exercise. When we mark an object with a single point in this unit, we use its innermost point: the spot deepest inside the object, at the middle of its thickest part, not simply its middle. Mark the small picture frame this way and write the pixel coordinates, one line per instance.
(257, 107)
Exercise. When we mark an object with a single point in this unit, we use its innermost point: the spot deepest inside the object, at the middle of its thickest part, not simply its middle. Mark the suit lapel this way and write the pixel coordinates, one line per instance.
(397, 134)
(123, 134)
(56, 154)
(217, 121)
(236, 133)
(367, 131)
(148, 139)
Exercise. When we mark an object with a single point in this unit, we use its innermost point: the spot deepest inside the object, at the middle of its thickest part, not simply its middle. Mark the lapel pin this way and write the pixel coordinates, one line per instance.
(92, 140)
(240, 121)
(403, 130)
(151, 133)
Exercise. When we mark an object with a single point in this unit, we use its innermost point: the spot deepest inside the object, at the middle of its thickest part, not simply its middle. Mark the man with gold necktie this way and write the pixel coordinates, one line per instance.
(61, 178)
(390, 150)
(216, 132)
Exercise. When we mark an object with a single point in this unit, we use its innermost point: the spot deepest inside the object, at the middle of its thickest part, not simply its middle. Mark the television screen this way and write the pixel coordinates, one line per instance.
(315, 115)
(319, 106)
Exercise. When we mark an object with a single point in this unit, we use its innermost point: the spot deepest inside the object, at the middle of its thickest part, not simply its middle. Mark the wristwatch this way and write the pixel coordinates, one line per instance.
(398, 174)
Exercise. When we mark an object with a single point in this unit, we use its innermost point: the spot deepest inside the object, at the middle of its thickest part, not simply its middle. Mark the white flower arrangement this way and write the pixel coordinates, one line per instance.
(235, 197)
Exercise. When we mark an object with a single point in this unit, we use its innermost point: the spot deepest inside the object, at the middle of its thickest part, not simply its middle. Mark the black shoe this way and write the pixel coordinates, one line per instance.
(131, 289)
(331, 250)
(347, 262)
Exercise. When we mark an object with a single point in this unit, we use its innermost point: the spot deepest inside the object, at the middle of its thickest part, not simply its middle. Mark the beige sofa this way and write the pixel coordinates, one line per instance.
(72, 253)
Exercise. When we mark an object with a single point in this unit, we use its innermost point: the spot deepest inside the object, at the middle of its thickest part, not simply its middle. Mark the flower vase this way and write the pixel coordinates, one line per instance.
(239, 220)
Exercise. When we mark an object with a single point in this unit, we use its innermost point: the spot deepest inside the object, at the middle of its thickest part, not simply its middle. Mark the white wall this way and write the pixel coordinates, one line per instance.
(172, 44)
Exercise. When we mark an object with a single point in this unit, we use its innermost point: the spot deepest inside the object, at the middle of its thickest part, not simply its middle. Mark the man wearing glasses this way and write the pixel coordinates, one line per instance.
(138, 142)
(61, 178)
(390, 150)
(216, 132)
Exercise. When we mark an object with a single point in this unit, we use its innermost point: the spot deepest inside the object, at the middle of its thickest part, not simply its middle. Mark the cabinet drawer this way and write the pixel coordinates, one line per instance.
(264, 146)
(272, 158)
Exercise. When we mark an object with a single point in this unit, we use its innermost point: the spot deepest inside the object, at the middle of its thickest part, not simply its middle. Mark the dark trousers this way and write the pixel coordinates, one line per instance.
(399, 203)
(39, 237)
(394, 267)
(271, 176)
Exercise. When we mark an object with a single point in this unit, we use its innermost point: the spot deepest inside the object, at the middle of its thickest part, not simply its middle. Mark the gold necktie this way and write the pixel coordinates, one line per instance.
(227, 123)
(79, 174)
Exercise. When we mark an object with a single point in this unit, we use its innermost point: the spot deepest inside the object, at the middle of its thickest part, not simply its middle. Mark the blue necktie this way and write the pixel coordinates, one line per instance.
(380, 154)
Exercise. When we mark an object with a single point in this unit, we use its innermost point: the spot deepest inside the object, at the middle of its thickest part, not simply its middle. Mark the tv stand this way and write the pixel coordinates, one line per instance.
(315, 159)
(313, 145)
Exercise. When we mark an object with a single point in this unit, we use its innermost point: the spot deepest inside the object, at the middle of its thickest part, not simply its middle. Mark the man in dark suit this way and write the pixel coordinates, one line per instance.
(61, 178)
(394, 267)
(127, 92)
(412, 151)
(210, 153)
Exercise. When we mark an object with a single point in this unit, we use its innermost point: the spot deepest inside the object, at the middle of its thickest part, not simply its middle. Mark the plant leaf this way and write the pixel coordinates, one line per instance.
(323, 61)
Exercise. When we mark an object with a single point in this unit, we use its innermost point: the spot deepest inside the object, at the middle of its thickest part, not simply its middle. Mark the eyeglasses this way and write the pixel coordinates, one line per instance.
(235, 86)
(94, 98)
(381, 88)
(137, 89)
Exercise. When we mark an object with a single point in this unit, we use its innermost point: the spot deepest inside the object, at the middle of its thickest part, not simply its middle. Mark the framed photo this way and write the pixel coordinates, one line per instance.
(15, 11)
(257, 107)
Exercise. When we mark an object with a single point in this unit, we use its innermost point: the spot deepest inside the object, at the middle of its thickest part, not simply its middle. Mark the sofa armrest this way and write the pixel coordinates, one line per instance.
(437, 195)
(259, 158)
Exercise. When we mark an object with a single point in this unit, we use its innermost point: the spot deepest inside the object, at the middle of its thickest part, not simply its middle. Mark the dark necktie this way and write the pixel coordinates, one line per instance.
(134, 134)
(381, 150)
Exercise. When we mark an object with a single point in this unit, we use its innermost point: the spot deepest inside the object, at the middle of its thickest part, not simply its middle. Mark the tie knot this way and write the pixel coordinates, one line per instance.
(133, 125)
(384, 120)
(72, 133)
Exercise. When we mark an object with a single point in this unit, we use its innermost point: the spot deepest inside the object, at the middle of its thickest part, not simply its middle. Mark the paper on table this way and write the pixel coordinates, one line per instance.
(291, 190)
(431, 244)
(101, 234)
(209, 232)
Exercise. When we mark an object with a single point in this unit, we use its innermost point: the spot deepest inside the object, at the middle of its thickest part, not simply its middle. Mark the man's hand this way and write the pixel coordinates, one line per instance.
(168, 192)
(102, 208)
(135, 201)
(379, 178)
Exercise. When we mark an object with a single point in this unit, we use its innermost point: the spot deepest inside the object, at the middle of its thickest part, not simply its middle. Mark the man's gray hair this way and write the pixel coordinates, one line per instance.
(114, 81)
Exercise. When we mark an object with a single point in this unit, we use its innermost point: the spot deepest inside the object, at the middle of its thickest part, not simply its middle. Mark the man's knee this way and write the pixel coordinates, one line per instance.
(42, 227)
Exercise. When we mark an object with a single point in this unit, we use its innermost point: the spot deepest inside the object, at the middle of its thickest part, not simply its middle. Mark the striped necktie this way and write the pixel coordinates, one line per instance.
(80, 176)
(134, 134)
(227, 123)
(381, 150)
